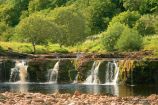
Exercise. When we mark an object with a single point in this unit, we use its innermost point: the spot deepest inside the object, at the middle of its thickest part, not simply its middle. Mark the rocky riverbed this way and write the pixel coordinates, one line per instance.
(9, 98)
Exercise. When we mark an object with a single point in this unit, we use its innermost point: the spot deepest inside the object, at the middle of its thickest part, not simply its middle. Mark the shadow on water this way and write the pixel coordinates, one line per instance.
(48, 88)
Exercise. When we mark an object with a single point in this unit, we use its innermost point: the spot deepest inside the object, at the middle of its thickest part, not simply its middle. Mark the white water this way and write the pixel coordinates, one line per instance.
(76, 79)
(112, 72)
(19, 72)
(53, 76)
(93, 77)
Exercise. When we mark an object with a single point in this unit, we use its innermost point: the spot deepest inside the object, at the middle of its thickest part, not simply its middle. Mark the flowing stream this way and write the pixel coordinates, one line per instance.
(53, 76)
(19, 72)
(93, 77)
(112, 72)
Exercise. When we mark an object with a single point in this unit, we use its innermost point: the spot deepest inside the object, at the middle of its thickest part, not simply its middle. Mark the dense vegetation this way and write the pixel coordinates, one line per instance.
(44, 26)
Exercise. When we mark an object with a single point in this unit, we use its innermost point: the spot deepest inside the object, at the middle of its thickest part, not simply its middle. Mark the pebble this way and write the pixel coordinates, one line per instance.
(9, 98)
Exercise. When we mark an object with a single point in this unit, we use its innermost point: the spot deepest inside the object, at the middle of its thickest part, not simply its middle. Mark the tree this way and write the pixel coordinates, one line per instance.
(110, 37)
(36, 29)
(130, 40)
(3, 27)
(149, 6)
(72, 24)
(127, 18)
(132, 5)
(146, 24)
(10, 11)
(37, 5)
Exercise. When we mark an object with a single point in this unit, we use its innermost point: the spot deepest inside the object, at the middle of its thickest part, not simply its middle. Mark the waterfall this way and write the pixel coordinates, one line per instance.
(19, 72)
(112, 72)
(76, 78)
(93, 77)
(53, 76)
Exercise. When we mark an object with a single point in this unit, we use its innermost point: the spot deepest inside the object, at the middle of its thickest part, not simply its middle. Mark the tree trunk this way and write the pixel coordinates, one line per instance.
(61, 45)
(34, 47)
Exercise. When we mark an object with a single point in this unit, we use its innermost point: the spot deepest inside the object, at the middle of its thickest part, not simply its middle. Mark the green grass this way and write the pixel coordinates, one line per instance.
(27, 47)
(90, 45)
(151, 43)
(87, 46)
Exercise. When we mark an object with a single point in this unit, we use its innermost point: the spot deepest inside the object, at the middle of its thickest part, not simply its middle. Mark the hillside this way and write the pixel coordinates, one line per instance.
(90, 26)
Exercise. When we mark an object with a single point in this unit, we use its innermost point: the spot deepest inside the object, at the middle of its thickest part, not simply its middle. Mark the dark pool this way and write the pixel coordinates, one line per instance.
(46, 88)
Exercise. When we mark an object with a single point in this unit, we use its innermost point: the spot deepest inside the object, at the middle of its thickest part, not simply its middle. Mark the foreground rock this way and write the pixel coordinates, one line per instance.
(8, 98)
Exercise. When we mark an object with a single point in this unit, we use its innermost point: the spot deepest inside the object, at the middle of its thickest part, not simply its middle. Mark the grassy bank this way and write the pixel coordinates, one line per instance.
(87, 46)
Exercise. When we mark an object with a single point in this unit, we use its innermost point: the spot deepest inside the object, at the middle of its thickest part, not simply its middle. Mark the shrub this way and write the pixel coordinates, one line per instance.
(127, 18)
(150, 42)
(129, 40)
(110, 37)
(146, 25)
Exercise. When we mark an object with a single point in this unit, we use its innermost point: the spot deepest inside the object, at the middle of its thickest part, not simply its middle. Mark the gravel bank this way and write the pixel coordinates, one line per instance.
(77, 98)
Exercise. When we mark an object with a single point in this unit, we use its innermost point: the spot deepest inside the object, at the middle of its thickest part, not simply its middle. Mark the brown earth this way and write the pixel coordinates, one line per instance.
(125, 55)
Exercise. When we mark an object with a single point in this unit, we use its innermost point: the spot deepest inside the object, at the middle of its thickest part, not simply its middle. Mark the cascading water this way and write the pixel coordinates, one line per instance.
(19, 72)
(76, 79)
(93, 77)
(112, 72)
(53, 76)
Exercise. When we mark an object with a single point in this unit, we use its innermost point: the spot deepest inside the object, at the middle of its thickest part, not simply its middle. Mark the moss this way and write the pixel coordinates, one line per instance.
(66, 71)
(38, 69)
(83, 66)
(5, 67)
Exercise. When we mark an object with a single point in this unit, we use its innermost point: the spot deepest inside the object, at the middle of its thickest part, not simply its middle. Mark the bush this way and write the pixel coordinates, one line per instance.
(150, 42)
(146, 25)
(110, 37)
(127, 18)
(129, 40)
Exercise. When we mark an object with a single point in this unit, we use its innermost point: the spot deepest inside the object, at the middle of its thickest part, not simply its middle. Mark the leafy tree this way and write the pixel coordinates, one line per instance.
(110, 37)
(72, 24)
(149, 6)
(129, 40)
(101, 13)
(97, 13)
(146, 25)
(132, 5)
(127, 18)
(3, 27)
(10, 11)
(37, 5)
(36, 29)
(8, 34)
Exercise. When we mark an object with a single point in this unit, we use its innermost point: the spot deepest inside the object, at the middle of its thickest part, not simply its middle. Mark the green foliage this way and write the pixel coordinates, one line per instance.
(110, 37)
(130, 40)
(146, 25)
(10, 11)
(127, 18)
(101, 13)
(8, 34)
(149, 6)
(36, 29)
(3, 27)
(37, 5)
(143, 6)
(150, 42)
(72, 25)
(132, 5)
